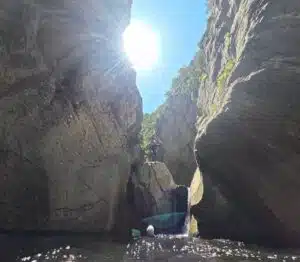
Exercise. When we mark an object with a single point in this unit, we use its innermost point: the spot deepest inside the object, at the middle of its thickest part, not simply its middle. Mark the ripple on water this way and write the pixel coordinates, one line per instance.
(162, 248)
(192, 249)
(59, 254)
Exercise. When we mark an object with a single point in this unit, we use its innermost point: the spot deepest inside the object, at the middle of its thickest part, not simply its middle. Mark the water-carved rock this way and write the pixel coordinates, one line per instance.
(248, 134)
(70, 114)
(155, 198)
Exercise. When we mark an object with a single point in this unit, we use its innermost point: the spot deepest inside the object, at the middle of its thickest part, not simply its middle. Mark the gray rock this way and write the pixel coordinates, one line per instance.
(70, 114)
(151, 186)
(155, 193)
(176, 129)
(247, 141)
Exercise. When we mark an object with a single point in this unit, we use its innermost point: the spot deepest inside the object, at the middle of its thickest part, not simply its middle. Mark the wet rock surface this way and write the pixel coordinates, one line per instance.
(153, 192)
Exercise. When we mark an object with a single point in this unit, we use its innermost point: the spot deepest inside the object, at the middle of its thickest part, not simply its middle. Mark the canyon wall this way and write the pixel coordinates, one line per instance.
(248, 129)
(70, 115)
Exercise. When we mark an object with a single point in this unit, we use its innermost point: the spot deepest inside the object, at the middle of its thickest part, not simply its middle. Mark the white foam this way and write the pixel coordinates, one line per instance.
(188, 215)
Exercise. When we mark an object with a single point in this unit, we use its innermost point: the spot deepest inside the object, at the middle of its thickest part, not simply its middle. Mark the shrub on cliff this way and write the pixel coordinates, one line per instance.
(225, 73)
(149, 127)
(189, 78)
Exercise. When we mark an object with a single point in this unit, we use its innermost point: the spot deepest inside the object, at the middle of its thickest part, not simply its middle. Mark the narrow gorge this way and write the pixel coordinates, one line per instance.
(73, 134)
(238, 100)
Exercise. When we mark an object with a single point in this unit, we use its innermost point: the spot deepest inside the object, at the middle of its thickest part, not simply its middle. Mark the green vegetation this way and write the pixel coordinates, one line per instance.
(203, 77)
(149, 127)
(148, 130)
(213, 108)
(187, 83)
(225, 73)
(221, 81)
(227, 41)
(189, 78)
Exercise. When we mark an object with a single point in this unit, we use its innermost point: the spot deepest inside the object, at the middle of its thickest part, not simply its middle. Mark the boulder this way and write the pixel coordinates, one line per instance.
(70, 115)
(151, 186)
(154, 193)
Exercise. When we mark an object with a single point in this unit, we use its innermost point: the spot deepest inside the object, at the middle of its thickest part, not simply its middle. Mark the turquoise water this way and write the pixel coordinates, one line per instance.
(164, 248)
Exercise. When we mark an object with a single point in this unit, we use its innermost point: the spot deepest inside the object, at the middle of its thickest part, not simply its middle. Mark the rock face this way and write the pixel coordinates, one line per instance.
(70, 114)
(248, 134)
(150, 186)
(176, 129)
(154, 192)
(173, 122)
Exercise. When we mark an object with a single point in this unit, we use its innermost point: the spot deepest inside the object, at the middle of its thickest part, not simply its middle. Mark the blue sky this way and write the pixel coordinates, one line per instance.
(181, 24)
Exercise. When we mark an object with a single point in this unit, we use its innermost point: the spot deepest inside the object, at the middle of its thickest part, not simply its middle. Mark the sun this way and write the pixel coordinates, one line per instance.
(141, 45)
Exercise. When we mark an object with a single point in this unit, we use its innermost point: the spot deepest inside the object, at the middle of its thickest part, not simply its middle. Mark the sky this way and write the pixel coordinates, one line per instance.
(180, 24)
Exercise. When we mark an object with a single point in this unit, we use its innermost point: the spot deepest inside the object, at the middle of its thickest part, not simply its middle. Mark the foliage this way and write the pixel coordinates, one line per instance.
(213, 108)
(189, 78)
(148, 130)
(227, 41)
(149, 127)
(221, 81)
(223, 76)
(187, 83)
(203, 77)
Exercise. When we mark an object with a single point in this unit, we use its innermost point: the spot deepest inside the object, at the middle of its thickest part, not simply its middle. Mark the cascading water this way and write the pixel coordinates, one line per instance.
(186, 227)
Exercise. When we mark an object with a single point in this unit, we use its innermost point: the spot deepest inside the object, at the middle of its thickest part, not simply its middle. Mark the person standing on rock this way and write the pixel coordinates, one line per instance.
(154, 146)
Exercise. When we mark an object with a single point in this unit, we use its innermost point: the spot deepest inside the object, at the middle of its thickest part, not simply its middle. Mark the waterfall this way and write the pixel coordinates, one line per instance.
(186, 227)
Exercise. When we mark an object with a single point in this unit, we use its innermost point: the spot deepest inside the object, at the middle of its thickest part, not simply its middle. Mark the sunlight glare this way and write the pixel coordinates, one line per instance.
(141, 45)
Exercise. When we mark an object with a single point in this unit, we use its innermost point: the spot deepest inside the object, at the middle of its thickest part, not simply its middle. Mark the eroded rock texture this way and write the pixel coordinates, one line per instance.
(173, 122)
(151, 183)
(70, 114)
(248, 136)
(176, 129)
(154, 192)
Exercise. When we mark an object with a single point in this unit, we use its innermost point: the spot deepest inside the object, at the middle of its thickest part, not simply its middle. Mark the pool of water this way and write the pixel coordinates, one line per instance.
(163, 248)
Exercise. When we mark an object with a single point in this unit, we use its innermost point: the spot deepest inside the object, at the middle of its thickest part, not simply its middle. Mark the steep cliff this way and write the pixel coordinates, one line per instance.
(176, 129)
(248, 128)
(70, 114)
(174, 122)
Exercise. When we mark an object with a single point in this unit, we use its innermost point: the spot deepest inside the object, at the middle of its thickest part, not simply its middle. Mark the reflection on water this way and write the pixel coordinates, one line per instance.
(192, 249)
(59, 248)
(163, 248)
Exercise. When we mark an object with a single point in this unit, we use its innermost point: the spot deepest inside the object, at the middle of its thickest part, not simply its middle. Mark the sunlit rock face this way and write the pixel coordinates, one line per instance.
(176, 129)
(248, 136)
(70, 114)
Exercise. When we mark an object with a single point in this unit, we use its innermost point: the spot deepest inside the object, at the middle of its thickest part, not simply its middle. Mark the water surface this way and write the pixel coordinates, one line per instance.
(163, 248)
